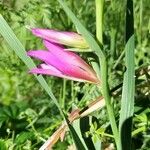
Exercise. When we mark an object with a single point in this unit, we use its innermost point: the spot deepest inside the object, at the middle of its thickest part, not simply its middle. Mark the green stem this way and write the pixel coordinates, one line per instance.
(72, 90)
(119, 59)
(13, 3)
(113, 43)
(99, 19)
(141, 21)
(107, 135)
(104, 71)
(107, 97)
(63, 94)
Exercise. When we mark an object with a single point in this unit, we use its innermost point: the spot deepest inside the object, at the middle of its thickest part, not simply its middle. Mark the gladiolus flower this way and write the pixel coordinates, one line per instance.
(71, 39)
(61, 63)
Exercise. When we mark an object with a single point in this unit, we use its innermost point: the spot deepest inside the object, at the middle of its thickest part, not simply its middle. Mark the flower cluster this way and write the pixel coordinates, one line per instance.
(59, 62)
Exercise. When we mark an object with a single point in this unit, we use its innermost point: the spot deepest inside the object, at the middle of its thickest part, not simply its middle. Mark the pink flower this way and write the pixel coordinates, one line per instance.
(71, 39)
(64, 64)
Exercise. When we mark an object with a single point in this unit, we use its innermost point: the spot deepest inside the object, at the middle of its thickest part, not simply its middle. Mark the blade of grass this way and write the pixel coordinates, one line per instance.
(118, 60)
(19, 49)
(77, 138)
(77, 128)
(127, 102)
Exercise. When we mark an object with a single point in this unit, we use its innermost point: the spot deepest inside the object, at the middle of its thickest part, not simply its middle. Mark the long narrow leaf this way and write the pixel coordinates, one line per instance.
(19, 49)
(127, 102)
(79, 144)
(76, 126)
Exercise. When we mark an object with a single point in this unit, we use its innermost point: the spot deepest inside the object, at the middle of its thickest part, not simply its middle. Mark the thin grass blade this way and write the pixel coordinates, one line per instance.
(78, 142)
(76, 126)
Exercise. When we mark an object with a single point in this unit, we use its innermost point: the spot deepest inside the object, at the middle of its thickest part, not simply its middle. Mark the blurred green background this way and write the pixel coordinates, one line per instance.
(27, 114)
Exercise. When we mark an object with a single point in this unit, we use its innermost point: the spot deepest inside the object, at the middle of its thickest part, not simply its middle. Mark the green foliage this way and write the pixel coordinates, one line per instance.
(27, 114)
(76, 137)
(23, 137)
(2, 145)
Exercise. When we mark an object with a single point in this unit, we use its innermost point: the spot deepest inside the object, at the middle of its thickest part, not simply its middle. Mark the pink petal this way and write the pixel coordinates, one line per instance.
(72, 58)
(54, 72)
(66, 38)
(65, 67)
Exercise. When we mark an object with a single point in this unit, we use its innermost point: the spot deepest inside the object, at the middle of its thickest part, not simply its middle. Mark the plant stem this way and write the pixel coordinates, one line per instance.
(99, 19)
(72, 90)
(104, 71)
(119, 59)
(107, 97)
(113, 43)
(13, 3)
(63, 94)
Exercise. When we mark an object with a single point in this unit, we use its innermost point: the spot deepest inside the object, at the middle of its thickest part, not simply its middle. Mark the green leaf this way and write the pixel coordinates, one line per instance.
(88, 126)
(2, 145)
(98, 145)
(19, 49)
(79, 144)
(23, 137)
(127, 102)
(76, 126)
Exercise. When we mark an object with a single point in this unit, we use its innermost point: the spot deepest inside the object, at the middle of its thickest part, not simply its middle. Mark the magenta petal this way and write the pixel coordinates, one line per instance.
(48, 58)
(65, 67)
(49, 67)
(53, 47)
(72, 58)
(49, 70)
(53, 35)
(66, 38)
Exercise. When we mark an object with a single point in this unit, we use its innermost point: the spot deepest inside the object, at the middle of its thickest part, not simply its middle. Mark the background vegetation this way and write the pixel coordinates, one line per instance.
(27, 114)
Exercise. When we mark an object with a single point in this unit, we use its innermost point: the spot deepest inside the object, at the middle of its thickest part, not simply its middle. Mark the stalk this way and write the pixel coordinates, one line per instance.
(99, 19)
(63, 94)
(107, 97)
(104, 71)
